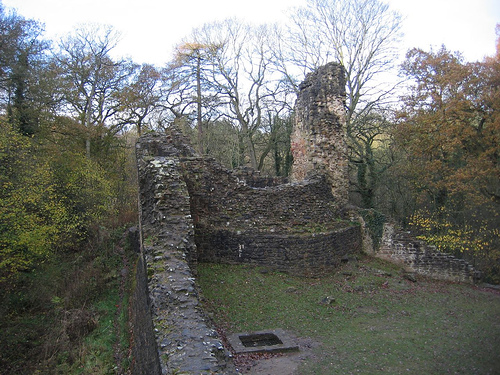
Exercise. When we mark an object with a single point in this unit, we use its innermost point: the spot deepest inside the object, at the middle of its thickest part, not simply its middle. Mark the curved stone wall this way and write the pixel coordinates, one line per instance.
(194, 210)
(309, 254)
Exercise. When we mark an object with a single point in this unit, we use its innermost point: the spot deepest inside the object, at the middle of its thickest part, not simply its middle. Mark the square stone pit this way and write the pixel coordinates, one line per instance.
(271, 341)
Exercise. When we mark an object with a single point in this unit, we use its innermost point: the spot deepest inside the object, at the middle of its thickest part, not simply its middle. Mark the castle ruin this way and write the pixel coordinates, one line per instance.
(319, 138)
(194, 210)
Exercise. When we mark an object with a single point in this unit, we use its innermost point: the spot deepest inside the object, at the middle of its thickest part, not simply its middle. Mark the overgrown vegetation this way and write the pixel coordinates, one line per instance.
(367, 318)
(62, 214)
(374, 221)
(67, 189)
(69, 315)
(65, 306)
(449, 132)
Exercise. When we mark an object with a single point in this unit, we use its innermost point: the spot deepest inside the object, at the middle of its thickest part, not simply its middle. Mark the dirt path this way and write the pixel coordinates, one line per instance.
(282, 365)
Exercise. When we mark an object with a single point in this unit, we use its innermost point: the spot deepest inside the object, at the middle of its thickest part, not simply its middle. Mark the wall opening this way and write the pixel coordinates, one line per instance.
(272, 341)
(260, 339)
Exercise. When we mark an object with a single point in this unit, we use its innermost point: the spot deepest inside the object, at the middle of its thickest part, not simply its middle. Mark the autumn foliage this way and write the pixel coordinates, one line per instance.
(49, 200)
(449, 132)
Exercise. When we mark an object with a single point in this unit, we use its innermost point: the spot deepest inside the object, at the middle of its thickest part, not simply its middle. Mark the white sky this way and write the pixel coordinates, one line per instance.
(151, 29)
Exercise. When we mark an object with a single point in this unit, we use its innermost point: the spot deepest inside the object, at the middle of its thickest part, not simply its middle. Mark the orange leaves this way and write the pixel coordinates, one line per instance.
(447, 126)
(449, 129)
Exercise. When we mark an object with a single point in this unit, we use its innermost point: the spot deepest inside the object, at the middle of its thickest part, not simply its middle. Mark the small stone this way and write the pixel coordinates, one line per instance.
(349, 258)
(328, 300)
(410, 276)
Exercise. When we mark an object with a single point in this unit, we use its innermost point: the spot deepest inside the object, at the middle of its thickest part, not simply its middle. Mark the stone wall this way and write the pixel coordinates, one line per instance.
(319, 139)
(144, 348)
(295, 227)
(300, 254)
(185, 341)
(192, 209)
(416, 256)
(253, 178)
(266, 220)
(220, 198)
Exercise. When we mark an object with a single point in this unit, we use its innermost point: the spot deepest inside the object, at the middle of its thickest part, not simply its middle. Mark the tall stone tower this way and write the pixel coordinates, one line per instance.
(319, 136)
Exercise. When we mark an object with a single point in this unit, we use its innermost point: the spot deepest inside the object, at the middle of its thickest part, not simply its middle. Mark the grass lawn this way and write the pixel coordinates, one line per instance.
(367, 318)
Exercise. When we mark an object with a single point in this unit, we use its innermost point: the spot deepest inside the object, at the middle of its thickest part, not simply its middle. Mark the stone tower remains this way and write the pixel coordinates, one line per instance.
(319, 136)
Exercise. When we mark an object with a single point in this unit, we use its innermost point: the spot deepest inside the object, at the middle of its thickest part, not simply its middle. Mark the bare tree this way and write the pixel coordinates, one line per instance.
(242, 74)
(91, 79)
(141, 98)
(362, 35)
(192, 66)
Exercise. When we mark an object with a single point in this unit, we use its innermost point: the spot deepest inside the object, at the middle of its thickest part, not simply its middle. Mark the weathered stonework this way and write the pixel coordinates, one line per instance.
(290, 227)
(193, 209)
(416, 256)
(185, 341)
(319, 139)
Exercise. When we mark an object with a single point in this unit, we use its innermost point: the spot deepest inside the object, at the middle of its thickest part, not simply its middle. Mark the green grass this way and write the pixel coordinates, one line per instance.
(96, 352)
(379, 322)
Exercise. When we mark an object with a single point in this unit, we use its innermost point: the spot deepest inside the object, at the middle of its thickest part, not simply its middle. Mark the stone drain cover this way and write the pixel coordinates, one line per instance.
(262, 342)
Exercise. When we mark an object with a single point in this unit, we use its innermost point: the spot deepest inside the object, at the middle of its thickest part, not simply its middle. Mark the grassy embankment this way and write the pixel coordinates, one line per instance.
(366, 318)
(69, 316)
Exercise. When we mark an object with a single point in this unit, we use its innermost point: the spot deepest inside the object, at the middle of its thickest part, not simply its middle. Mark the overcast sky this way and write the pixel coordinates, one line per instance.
(151, 29)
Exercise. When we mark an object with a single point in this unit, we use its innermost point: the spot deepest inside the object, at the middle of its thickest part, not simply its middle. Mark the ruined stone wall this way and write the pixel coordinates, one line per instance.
(295, 227)
(311, 254)
(319, 138)
(192, 209)
(267, 220)
(416, 256)
(220, 198)
(185, 341)
(254, 178)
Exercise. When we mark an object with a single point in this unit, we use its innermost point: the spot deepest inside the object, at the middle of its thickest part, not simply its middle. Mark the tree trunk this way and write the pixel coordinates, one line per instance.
(250, 147)
(199, 105)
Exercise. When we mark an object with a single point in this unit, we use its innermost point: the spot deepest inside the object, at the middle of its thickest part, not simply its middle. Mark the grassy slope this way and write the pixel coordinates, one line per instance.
(379, 322)
(70, 316)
